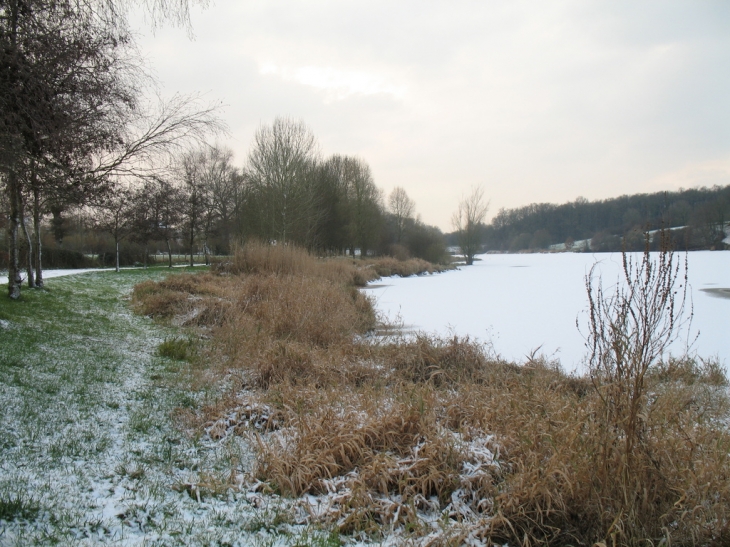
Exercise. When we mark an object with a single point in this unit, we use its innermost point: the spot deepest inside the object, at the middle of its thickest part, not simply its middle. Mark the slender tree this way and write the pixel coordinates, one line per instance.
(402, 208)
(194, 198)
(115, 215)
(466, 222)
(366, 206)
(167, 211)
(224, 186)
(279, 170)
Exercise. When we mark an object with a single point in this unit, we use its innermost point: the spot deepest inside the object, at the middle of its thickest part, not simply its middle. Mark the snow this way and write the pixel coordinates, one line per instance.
(48, 274)
(524, 303)
(97, 452)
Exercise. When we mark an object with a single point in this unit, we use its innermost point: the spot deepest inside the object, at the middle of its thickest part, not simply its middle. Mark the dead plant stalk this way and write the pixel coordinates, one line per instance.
(630, 332)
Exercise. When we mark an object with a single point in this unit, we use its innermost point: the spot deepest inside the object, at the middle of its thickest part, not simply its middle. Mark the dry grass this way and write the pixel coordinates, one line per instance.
(258, 258)
(375, 435)
(388, 266)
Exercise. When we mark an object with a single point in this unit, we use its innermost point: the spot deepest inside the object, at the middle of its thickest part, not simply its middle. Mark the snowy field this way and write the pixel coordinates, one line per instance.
(519, 303)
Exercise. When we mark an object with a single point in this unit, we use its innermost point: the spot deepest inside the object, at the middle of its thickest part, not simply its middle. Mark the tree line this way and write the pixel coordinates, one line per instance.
(79, 141)
(614, 224)
(285, 193)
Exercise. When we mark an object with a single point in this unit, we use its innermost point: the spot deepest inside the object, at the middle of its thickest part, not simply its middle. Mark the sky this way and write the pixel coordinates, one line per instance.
(535, 101)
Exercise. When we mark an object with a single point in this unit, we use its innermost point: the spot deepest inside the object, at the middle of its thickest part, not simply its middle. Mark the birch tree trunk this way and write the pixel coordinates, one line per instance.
(31, 280)
(14, 279)
(37, 230)
(192, 242)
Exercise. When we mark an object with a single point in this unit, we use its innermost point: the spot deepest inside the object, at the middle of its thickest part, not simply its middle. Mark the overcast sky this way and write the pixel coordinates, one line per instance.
(537, 101)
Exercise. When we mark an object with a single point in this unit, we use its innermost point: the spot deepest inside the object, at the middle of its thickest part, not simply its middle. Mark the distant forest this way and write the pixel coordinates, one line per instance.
(698, 216)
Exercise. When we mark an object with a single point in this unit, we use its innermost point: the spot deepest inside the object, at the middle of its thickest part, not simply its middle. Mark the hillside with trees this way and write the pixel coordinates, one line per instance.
(697, 216)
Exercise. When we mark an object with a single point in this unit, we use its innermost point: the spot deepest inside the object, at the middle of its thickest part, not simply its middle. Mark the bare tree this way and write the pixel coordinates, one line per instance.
(70, 114)
(220, 183)
(466, 220)
(365, 204)
(195, 197)
(65, 85)
(155, 135)
(279, 165)
(114, 214)
(402, 208)
(166, 207)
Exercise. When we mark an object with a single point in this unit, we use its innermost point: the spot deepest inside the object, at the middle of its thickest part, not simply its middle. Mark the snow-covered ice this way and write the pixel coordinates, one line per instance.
(520, 303)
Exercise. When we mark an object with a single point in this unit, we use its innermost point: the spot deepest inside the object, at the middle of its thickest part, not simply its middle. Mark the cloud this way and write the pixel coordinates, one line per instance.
(337, 84)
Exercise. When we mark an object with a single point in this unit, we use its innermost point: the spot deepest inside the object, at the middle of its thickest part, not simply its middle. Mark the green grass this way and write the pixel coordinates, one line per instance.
(177, 348)
(18, 507)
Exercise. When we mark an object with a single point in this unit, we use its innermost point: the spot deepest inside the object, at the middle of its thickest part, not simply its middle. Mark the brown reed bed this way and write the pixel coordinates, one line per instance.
(435, 439)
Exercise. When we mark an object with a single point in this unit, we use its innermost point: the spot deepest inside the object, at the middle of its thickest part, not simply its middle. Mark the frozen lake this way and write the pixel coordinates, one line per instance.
(524, 302)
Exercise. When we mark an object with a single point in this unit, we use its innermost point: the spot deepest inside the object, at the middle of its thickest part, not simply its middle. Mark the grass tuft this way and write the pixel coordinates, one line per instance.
(179, 349)
(18, 507)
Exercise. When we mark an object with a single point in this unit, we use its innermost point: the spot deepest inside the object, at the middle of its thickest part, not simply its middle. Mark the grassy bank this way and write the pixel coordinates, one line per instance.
(434, 441)
(89, 452)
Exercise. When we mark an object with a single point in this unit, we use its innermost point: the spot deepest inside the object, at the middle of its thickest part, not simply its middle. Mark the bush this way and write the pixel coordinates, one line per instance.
(639, 473)
(127, 257)
(387, 266)
(64, 258)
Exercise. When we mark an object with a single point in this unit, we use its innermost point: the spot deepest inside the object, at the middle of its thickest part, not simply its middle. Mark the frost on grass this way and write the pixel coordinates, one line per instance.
(88, 452)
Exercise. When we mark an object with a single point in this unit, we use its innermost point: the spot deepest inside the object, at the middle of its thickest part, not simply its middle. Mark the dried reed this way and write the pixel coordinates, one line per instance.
(399, 434)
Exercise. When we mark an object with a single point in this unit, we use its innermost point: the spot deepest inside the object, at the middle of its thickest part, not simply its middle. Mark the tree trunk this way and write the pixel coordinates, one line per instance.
(205, 250)
(31, 280)
(37, 229)
(192, 241)
(145, 256)
(14, 279)
(169, 252)
(117, 244)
